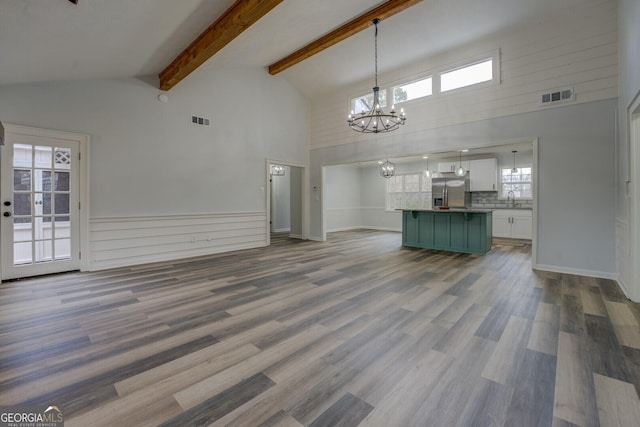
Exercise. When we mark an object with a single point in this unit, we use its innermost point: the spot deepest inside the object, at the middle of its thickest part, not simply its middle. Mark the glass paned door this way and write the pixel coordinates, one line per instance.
(40, 227)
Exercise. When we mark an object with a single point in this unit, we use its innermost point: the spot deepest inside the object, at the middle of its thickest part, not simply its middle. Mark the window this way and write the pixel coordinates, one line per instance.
(518, 182)
(410, 191)
(365, 103)
(412, 90)
(467, 75)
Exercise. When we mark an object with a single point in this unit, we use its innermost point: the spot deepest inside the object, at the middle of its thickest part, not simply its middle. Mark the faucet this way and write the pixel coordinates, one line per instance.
(511, 197)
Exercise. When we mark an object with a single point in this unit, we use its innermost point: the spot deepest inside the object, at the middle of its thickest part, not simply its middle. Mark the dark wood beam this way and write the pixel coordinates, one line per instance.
(240, 16)
(352, 27)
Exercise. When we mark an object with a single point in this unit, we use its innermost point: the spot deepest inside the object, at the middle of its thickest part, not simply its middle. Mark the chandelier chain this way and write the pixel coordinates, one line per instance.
(375, 22)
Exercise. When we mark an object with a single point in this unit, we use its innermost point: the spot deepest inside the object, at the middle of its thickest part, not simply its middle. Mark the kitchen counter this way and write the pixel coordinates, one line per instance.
(457, 210)
(455, 230)
(517, 208)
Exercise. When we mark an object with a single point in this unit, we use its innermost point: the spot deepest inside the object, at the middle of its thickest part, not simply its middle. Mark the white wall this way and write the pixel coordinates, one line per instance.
(374, 215)
(343, 198)
(577, 48)
(628, 158)
(148, 160)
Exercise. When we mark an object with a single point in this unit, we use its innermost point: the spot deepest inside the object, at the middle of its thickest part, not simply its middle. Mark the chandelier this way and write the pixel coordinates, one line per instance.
(277, 170)
(387, 169)
(376, 120)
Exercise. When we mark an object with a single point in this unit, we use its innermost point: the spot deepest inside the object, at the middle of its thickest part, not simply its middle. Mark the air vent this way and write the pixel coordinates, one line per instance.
(557, 95)
(199, 121)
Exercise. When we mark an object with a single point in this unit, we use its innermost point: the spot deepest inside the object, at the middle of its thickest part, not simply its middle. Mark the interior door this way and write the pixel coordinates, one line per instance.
(40, 206)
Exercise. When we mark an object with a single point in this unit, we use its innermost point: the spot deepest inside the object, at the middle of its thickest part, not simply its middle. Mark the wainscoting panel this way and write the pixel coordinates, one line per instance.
(119, 242)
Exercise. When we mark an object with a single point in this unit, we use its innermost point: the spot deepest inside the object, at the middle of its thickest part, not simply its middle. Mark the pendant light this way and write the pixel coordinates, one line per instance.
(461, 171)
(387, 169)
(427, 173)
(514, 169)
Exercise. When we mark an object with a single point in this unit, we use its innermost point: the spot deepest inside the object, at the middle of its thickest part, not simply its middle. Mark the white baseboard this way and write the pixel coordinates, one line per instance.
(575, 271)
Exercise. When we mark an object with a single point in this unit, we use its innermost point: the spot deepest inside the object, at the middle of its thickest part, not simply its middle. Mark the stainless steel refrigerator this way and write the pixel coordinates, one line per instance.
(451, 190)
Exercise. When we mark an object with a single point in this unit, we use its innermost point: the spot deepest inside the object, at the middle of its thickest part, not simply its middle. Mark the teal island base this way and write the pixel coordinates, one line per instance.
(464, 230)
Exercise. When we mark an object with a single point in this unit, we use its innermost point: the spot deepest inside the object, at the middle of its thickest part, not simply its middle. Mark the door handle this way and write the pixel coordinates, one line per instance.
(6, 214)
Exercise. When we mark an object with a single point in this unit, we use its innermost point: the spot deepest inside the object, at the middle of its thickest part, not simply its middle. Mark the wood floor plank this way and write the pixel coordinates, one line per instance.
(196, 394)
(348, 411)
(395, 408)
(546, 326)
(532, 402)
(504, 365)
(624, 323)
(356, 330)
(574, 400)
(617, 402)
(281, 419)
(217, 406)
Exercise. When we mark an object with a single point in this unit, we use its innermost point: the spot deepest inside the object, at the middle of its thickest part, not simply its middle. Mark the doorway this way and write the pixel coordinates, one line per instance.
(41, 198)
(285, 201)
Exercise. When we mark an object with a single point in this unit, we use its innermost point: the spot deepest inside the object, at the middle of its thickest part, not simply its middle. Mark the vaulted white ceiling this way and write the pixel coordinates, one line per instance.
(52, 40)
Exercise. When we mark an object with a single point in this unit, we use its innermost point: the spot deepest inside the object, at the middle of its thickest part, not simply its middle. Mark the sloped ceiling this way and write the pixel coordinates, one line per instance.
(55, 40)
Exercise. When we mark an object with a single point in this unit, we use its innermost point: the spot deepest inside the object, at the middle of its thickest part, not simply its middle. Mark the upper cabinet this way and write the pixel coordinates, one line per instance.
(452, 166)
(483, 175)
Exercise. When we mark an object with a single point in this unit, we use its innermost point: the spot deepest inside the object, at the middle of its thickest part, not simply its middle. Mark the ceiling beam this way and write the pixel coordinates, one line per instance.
(352, 27)
(240, 16)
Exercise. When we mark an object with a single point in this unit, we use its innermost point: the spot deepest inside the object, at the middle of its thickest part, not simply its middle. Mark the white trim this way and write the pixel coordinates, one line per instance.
(84, 178)
(304, 211)
(633, 141)
(534, 209)
(576, 271)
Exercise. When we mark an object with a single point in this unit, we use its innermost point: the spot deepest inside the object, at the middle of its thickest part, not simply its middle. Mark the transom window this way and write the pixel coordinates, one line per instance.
(365, 103)
(516, 184)
(409, 191)
(467, 75)
(413, 90)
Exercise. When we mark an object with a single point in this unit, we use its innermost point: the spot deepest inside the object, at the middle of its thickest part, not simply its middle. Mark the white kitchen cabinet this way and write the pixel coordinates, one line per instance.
(483, 175)
(452, 166)
(512, 223)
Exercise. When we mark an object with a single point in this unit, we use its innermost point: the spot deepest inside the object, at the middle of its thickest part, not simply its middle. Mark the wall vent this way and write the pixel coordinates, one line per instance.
(557, 95)
(201, 121)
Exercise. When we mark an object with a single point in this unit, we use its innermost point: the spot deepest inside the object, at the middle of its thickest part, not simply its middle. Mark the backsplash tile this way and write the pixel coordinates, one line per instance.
(489, 199)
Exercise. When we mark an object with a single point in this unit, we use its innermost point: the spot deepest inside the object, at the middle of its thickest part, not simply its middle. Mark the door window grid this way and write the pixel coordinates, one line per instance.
(41, 233)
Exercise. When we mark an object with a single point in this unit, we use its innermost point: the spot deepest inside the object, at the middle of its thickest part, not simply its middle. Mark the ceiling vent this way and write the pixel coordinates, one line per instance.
(557, 95)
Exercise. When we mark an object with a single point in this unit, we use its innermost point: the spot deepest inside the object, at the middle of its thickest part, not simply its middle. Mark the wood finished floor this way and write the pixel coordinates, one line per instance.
(353, 331)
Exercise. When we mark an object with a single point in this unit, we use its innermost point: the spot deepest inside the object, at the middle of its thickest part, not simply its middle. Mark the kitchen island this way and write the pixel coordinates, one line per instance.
(455, 230)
